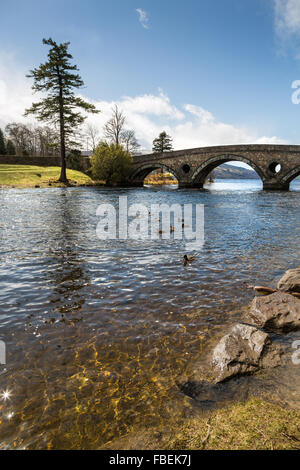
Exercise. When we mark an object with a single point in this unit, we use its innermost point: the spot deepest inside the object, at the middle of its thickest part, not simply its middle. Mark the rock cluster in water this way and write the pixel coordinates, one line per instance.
(279, 312)
(248, 347)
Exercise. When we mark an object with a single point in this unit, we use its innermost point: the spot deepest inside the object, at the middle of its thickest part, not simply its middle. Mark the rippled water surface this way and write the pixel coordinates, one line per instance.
(100, 334)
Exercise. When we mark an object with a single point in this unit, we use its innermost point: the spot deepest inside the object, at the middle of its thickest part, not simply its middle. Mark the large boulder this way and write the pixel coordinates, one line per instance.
(279, 312)
(290, 281)
(244, 350)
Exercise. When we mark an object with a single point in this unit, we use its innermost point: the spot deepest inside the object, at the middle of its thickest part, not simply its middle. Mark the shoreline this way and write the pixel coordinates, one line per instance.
(53, 185)
(255, 424)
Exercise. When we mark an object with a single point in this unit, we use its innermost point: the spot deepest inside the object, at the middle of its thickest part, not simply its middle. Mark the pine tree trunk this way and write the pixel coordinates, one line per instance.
(63, 174)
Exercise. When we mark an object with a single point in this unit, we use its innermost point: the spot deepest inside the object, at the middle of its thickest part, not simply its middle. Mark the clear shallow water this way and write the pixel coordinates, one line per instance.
(100, 335)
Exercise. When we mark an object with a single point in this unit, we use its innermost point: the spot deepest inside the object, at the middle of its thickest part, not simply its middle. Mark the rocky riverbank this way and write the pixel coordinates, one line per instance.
(253, 345)
(258, 343)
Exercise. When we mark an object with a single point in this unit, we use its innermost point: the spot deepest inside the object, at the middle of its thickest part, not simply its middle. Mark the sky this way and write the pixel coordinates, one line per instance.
(209, 72)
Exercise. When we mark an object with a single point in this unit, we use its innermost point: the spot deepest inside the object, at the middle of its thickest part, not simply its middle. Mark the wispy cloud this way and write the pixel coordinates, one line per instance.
(287, 26)
(287, 16)
(143, 18)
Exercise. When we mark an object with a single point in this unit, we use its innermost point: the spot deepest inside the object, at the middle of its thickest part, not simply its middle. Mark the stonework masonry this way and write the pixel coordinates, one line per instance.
(276, 165)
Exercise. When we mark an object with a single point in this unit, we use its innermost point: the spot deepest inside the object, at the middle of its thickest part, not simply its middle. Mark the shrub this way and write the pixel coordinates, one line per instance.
(111, 163)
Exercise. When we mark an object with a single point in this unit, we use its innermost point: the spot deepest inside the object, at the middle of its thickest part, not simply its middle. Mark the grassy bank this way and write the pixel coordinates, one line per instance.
(253, 425)
(30, 176)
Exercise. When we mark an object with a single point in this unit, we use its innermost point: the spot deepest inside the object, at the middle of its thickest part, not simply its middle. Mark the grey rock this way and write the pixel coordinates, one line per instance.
(290, 281)
(244, 350)
(279, 312)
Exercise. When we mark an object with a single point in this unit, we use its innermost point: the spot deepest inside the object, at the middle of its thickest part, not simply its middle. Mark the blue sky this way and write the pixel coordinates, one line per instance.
(207, 71)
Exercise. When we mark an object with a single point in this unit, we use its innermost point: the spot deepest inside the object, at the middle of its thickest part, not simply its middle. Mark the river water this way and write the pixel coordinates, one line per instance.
(101, 335)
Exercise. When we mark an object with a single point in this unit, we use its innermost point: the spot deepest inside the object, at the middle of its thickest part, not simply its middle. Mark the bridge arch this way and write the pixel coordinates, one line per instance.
(142, 171)
(291, 175)
(203, 170)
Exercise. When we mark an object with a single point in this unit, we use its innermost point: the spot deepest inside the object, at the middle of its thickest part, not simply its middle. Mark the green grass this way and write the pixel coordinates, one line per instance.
(31, 176)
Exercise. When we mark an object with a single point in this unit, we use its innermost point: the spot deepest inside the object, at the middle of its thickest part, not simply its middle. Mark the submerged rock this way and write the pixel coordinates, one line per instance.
(290, 281)
(279, 312)
(244, 350)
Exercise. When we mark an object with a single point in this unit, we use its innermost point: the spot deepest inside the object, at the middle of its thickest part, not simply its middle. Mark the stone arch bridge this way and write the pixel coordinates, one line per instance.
(276, 165)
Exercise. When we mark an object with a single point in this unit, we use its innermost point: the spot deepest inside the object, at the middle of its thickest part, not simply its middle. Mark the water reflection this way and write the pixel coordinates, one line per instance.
(100, 334)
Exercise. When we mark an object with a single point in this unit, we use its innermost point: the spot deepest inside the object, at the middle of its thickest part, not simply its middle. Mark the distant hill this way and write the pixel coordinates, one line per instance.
(227, 171)
(232, 172)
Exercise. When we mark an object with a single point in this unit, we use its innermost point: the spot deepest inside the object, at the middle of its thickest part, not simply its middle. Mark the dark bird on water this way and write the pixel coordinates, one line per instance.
(188, 259)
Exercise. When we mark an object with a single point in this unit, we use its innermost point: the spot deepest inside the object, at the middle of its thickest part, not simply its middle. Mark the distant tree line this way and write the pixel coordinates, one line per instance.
(44, 141)
(27, 139)
(21, 140)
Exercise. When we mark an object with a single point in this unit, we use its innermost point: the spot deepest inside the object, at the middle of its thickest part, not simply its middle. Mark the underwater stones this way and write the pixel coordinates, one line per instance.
(290, 281)
(245, 349)
(279, 312)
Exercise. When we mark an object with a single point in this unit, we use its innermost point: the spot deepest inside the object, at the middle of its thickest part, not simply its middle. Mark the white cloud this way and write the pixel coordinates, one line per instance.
(157, 105)
(287, 17)
(204, 116)
(143, 18)
(15, 91)
(203, 129)
(148, 114)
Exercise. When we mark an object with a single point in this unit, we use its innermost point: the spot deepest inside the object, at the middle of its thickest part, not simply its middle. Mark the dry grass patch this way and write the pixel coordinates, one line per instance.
(254, 425)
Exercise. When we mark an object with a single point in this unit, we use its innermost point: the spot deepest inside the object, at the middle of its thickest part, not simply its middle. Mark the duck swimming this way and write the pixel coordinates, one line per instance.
(188, 259)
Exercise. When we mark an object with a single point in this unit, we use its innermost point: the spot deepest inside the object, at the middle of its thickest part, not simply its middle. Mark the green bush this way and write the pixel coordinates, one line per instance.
(111, 163)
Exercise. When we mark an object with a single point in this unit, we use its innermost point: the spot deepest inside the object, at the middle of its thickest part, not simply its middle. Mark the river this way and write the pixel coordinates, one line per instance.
(100, 335)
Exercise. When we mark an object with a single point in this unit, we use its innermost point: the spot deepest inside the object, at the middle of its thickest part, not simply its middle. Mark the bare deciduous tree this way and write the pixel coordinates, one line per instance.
(114, 127)
(92, 134)
(21, 136)
(129, 141)
(33, 140)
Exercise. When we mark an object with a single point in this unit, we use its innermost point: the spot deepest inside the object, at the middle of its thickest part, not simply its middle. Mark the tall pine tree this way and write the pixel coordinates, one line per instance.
(58, 78)
(2, 144)
(163, 143)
